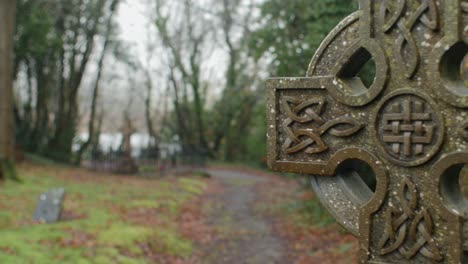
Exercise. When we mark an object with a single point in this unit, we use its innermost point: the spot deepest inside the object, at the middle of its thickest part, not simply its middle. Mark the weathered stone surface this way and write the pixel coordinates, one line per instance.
(49, 206)
(387, 159)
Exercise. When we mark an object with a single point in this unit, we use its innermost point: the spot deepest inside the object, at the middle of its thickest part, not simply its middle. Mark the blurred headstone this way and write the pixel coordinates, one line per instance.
(125, 164)
(50, 206)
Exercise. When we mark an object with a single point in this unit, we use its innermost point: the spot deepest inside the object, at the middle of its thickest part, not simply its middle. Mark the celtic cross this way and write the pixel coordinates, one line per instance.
(386, 157)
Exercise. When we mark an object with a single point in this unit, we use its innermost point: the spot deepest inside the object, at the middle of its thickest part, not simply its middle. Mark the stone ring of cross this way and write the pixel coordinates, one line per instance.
(388, 158)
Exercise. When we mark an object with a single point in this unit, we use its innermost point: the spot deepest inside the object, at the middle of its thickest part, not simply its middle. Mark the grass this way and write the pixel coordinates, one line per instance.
(124, 235)
(171, 243)
(114, 217)
(309, 212)
(313, 235)
(298, 203)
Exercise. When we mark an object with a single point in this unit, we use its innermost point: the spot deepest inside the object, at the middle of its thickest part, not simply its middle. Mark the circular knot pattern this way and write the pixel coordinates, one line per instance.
(408, 128)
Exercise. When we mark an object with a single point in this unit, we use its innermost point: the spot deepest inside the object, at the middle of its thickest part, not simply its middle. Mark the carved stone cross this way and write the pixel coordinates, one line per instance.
(387, 158)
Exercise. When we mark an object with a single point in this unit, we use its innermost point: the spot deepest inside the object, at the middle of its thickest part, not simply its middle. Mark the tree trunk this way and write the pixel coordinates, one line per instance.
(7, 146)
(92, 118)
(94, 100)
(149, 120)
(97, 135)
(60, 145)
(41, 110)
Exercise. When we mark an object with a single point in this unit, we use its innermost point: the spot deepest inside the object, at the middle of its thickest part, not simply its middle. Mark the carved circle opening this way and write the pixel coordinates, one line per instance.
(408, 127)
(359, 184)
(452, 188)
(453, 173)
(449, 75)
(453, 67)
(360, 75)
(358, 180)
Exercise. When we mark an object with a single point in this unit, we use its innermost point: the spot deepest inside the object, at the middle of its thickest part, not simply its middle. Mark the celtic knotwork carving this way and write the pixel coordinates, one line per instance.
(427, 14)
(409, 128)
(410, 63)
(430, 15)
(309, 113)
(389, 23)
(405, 125)
(415, 109)
(407, 230)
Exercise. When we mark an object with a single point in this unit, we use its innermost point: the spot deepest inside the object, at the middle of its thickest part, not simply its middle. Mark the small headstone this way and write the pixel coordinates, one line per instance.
(49, 206)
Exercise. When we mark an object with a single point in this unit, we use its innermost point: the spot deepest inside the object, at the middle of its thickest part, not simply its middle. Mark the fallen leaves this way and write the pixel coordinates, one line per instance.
(172, 213)
(106, 218)
(309, 242)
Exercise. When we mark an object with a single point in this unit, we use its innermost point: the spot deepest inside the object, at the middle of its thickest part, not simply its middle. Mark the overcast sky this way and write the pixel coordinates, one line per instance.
(133, 23)
(135, 29)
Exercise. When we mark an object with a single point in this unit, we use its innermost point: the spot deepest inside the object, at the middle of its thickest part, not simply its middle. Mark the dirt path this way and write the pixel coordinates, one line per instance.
(243, 236)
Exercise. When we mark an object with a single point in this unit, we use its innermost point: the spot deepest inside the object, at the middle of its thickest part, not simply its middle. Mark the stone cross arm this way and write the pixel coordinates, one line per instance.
(387, 155)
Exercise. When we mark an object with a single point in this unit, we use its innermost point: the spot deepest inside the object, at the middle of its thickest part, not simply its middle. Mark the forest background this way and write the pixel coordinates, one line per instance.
(194, 73)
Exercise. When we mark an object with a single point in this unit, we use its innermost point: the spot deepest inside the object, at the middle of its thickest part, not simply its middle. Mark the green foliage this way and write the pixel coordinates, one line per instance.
(202, 174)
(36, 36)
(288, 35)
(41, 160)
(345, 248)
(146, 204)
(291, 31)
(256, 141)
(192, 186)
(311, 212)
(9, 170)
(56, 38)
(170, 242)
(124, 235)
(53, 44)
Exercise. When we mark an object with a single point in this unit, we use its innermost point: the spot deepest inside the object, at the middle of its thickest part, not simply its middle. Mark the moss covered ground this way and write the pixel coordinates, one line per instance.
(106, 218)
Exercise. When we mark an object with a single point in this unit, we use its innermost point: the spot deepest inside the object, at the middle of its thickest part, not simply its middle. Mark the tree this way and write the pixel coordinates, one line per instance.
(55, 43)
(92, 120)
(233, 110)
(37, 49)
(185, 40)
(147, 70)
(286, 36)
(7, 151)
(82, 25)
(291, 31)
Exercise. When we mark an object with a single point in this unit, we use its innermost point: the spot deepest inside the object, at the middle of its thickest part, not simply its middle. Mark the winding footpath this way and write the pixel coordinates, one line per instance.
(244, 236)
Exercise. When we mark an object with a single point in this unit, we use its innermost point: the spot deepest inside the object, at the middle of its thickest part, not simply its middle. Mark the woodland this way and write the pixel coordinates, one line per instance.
(200, 76)
(185, 74)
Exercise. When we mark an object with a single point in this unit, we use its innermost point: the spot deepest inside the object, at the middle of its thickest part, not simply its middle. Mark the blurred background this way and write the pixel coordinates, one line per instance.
(122, 102)
(154, 77)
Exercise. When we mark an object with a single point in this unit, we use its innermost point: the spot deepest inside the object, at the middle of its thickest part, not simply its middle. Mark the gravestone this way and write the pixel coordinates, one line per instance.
(387, 158)
(49, 206)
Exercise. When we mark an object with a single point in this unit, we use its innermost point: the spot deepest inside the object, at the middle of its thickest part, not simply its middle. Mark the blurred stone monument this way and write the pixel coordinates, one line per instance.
(387, 158)
(49, 206)
(125, 163)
